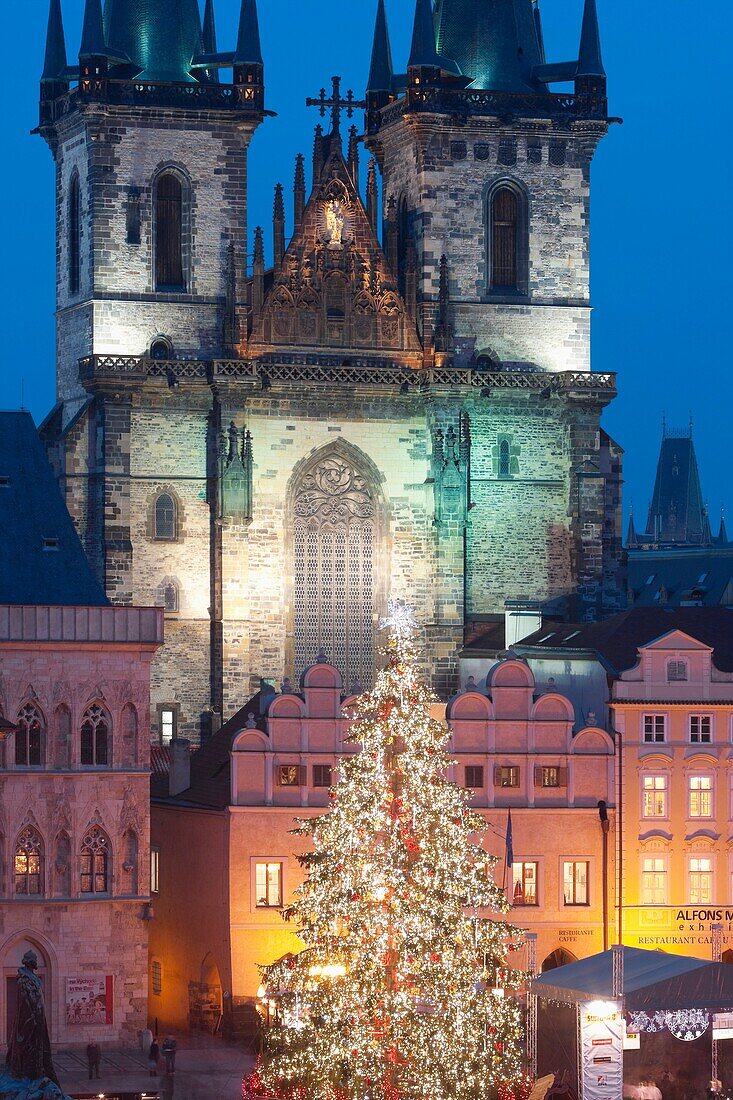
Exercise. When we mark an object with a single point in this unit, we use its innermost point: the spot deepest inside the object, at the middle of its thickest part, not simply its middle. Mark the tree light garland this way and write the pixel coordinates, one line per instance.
(395, 995)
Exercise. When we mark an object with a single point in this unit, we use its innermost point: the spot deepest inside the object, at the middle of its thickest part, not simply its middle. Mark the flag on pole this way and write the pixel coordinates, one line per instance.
(509, 841)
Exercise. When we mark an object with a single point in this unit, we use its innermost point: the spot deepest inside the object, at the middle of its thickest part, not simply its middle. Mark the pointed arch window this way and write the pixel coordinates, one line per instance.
(28, 737)
(74, 235)
(508, 245)
(334, 519)
(504, 459)
(165, 517)
(169, 273)
(94, 864)
(28, 863)
(95, 737)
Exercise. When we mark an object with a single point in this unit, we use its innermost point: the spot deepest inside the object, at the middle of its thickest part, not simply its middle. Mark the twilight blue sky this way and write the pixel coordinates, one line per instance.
(661, 240)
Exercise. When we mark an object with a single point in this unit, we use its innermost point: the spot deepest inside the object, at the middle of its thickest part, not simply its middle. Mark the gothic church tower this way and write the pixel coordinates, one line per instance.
(401, 409)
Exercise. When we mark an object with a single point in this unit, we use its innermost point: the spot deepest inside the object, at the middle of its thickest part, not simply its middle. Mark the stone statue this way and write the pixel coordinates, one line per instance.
(335, 222)
(29, 1047)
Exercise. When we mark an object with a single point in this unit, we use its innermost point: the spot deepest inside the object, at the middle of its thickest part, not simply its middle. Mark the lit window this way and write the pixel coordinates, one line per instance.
(551, 777)
(655, 727)
(575, 882)
(525, 884)
(167, 725)
(28, 863)
(655, 796)
(321, 775)
(269, 885)
(154, 870)
(95, 737)
(289, 775)
(506, 777)
(654, 880)
(701, 795)
(701, 729)
(157, 976)
(701, 880)
(474, 776)
(95, 862)
(676, 671)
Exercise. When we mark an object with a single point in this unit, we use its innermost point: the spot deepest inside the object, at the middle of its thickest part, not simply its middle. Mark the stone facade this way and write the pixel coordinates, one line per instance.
(56, 663)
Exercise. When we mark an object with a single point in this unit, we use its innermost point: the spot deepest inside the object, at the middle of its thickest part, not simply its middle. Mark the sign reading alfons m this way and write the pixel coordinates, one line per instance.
(705, 916)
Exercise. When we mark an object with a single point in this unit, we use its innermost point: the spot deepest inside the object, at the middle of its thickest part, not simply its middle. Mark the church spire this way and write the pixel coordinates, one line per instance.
(380, 70)
(423, 53)
(54, 64)
(722, 532)
(248, 51)
(208, 40)
(631, 538)
(591, 76)
(299, 191)
(92, 34)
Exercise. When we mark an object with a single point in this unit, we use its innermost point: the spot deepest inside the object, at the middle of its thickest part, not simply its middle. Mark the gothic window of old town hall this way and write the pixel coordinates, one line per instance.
(94, 862)
(28, 737)
(165, 517)
(28, 863)
(74, 235)
(169, 232)
(95, 737)
(334, 534)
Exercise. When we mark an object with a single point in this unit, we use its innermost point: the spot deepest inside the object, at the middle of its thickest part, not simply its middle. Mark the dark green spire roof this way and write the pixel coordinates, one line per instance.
(92, 34)
(590, 61)
(160, 37)
(248, 50)
(677, 512)
(423, 51)
(208, 39)
(380, 70)
(493, 41)
(55, 59)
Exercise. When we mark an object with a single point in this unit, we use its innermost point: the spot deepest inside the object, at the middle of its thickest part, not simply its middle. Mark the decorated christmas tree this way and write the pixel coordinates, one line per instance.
(404, 987)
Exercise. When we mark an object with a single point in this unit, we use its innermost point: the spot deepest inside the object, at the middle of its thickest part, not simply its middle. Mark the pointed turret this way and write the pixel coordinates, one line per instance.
(208, 40)
(380, 70)
(258, 273)
(677, 515)
(278, 226)
(92, 35)
(591, 76)
(707, 534)
(423, 53)
(631, 537)
(495, 45)
(299, 191)
(722, 532)
(248, 65)
(54, 64)
(318, 156)
(371, 194)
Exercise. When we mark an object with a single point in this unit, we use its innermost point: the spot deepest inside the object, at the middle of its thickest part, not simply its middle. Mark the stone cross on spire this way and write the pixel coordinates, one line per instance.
(337, 103)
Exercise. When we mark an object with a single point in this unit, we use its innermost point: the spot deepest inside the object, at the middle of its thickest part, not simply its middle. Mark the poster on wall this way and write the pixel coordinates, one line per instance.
(89, 1000)
(602, 1034)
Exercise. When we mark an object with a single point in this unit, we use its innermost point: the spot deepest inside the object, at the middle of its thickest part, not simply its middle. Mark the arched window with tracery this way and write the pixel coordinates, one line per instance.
(165, 517)
(169, 274)
(29, 737)
(28, 863)
(95, 737)
(334, 518)
(74, 235)
(94, 862)
(507, 224)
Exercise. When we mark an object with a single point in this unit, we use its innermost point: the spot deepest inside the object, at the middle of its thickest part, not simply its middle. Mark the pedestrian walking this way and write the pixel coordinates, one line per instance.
(153, 1056)
(169, 1053)
(94, 1057)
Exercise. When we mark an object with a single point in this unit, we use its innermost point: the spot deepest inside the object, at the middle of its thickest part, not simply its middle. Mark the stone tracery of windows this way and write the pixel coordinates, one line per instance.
(28, 863)
(28, 736)
(94, 864)
(95, 739)
(334, 526)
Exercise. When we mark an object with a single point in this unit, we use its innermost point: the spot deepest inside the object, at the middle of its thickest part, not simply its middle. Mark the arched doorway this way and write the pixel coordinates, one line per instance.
(558, 957)
(206, 1005)
(11, 960)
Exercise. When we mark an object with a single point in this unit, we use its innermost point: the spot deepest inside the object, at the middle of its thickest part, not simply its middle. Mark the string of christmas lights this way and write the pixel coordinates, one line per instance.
(403, 991)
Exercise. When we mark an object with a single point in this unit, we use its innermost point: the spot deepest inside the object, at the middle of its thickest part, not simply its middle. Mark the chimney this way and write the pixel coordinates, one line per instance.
(521, 618)
(179, 775)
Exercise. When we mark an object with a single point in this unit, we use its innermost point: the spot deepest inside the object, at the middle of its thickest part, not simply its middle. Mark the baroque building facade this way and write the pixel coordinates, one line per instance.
(74, 767)
(401, 406)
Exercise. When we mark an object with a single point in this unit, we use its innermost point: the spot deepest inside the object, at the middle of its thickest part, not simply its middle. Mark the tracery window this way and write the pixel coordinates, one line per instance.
(504, 459)
(334, 526)
(508, 242)
(95, 729)
(29, 863)
(94, 863)
(28, 737)
(165, 517)
(169, 233)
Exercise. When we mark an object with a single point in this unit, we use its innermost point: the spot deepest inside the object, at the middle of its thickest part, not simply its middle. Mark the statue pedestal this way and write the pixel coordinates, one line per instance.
(43, 1089)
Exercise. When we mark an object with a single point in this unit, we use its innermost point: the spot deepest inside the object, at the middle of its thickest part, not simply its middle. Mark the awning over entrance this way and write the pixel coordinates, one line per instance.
(592, 978)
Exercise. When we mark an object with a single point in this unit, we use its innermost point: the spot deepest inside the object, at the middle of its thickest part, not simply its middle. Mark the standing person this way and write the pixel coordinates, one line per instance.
(153, 1056)
(94, 1057)
(169, 1053)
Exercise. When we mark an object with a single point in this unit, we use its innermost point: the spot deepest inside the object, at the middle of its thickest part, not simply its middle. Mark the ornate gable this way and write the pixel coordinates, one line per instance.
(334, 287)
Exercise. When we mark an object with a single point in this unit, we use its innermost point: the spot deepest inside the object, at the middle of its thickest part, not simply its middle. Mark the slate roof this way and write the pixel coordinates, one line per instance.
(494, 43)
(677, 513)
(161, 37)
(702, 575)
(615, 641)
(43, 561)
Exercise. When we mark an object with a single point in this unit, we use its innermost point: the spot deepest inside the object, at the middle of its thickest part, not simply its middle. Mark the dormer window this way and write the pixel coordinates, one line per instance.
(4, 481)
(676, 671)
(50, 544)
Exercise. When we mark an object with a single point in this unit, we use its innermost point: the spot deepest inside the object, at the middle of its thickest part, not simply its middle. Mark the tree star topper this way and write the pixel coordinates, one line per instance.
(400, 620)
